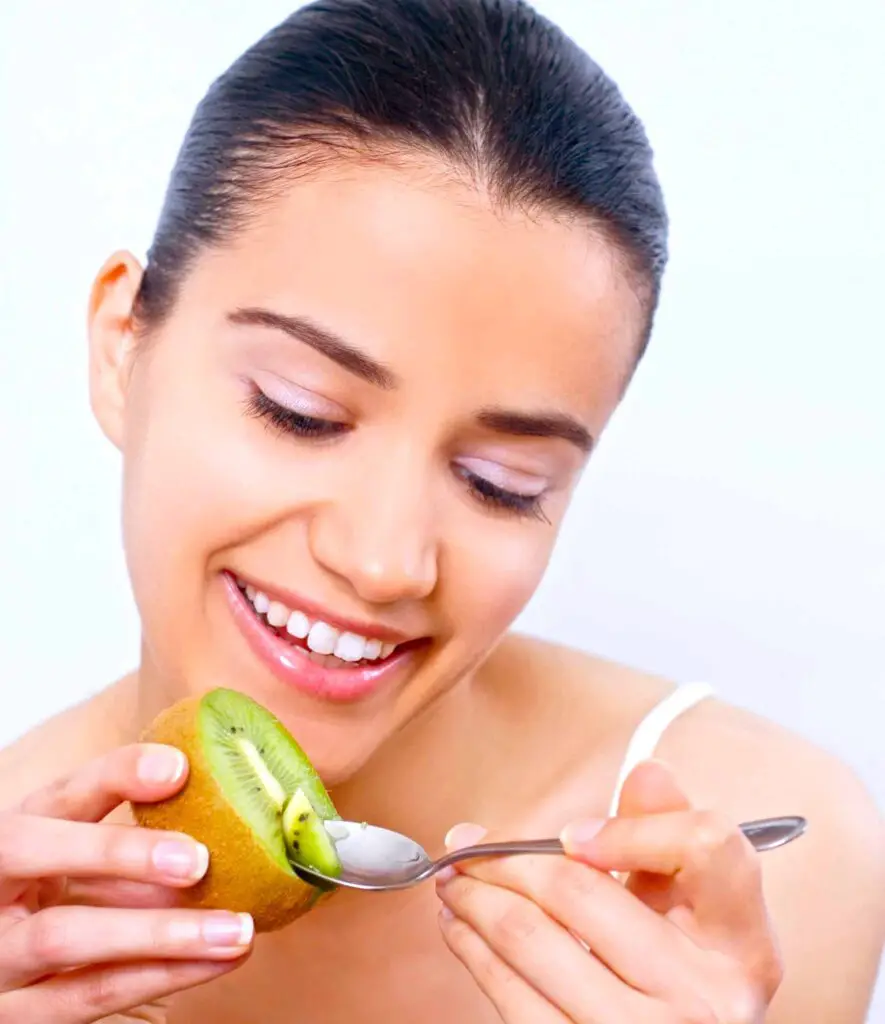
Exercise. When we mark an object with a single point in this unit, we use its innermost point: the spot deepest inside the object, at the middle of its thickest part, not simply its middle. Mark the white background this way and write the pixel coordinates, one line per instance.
(732, 526)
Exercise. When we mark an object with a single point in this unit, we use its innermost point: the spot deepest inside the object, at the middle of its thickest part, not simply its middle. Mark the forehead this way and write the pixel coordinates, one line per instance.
(425, 273)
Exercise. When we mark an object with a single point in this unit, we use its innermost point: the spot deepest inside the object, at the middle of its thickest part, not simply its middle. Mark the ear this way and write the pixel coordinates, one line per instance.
(111, 341)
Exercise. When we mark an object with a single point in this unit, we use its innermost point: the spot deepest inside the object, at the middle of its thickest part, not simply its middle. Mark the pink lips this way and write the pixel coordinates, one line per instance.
(292, 666)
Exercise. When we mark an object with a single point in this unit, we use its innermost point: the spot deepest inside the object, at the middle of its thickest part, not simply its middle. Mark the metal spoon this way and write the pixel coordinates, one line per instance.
(377, 859)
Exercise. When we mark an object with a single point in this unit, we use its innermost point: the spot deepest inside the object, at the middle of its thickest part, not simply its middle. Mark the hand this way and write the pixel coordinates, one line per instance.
(87, 920)
(557, 939)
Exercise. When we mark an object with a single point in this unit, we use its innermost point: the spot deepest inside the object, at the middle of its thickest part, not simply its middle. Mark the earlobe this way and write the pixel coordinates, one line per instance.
(111, 340)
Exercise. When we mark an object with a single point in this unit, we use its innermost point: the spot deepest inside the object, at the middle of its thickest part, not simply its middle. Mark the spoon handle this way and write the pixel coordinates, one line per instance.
(764, 834)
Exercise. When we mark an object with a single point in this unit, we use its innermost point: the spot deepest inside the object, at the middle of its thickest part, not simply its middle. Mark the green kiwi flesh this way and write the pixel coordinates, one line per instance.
(268, 780)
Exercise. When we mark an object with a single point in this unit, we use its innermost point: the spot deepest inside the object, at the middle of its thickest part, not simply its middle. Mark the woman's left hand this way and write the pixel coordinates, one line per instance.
(686, 941)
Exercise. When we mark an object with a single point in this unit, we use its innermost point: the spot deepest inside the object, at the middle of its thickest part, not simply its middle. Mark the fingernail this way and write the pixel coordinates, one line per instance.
(445, 913)
(465, 834)
(445, 874)
(161, 765)
(228, 930)
(180, 859)
(578, 833)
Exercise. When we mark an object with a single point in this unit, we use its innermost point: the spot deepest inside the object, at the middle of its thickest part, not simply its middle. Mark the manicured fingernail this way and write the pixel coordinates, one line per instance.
(578, 833)
(180, 858)
(465, 834)
(226, 930)
(161, 765)
(445, 913)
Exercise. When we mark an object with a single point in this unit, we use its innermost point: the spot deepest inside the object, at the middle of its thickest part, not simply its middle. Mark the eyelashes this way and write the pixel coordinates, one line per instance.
(290, 422)
(526, 505)
(296, 424)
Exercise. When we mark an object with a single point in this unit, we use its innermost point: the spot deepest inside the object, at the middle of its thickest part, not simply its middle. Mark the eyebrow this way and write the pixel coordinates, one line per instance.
(328, 343)
(322, 340)
(542, 424)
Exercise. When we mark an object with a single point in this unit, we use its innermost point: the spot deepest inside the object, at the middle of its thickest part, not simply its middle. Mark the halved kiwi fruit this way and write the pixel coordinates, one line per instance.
(254, 799)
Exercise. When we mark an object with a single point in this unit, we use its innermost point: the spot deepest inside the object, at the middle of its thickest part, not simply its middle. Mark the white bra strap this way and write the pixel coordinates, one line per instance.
(650, 730)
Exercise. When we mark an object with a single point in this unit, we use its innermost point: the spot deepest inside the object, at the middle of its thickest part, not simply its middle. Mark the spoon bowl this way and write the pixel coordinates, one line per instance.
(377, 859)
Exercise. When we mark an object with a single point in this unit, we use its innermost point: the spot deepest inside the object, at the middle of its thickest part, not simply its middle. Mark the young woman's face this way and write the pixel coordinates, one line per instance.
(369, 414)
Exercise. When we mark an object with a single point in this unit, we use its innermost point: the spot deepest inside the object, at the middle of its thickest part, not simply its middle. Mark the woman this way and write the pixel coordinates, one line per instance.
(408, 261)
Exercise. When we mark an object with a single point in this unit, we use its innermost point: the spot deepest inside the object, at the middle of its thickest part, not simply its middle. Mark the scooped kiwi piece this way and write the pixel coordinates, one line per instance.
(246, 772)
(307, 841)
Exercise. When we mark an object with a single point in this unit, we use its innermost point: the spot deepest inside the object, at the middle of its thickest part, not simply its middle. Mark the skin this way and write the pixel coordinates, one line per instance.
(468, 307)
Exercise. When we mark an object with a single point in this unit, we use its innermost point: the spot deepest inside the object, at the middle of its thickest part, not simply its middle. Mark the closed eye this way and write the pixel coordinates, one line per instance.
(528, 505)
(288, 421)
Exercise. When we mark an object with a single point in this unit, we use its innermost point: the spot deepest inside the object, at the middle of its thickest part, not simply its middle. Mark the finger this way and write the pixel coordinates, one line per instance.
(115, 892)
(651, 788)
(514, 998)
(713, 864)
(142, 772)
(643, 949)
(61, 938)
(85, 996)
(464, 834)
(542, 952)
(33, 847)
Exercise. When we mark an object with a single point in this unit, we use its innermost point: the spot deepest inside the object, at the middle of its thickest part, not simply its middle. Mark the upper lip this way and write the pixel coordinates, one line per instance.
(293, 601)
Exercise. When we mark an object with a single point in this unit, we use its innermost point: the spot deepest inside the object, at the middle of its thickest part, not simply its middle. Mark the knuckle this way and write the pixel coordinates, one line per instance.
(771, 974)
(100, 992)
(741, 996)
(565, 887)
(516, 924)
(579, 883)
(48, 937)
(490, 970)
(54, 793)
(122, 849)
(741, 1005)
(713, 834)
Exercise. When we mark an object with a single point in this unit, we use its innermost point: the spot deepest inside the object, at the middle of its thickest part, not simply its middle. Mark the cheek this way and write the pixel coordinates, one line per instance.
(192, 487)
(492, 574)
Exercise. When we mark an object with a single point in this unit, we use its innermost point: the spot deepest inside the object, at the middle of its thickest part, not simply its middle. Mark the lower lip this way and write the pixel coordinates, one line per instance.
(292, 666)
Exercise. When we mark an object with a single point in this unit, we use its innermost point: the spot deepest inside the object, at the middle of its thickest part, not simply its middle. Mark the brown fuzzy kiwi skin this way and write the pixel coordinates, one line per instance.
(242, 877)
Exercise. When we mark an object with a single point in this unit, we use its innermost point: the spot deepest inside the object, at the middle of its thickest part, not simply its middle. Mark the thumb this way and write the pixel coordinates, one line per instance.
(651, 788)
(463, 834)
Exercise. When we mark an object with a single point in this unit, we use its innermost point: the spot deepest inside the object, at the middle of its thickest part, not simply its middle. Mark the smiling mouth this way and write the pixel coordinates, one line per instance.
(324, 644)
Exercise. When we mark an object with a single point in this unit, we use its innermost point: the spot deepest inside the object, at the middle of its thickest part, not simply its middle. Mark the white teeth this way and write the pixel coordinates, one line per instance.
(277, 614)
(350, 647)
(322, 638)
(298, 625)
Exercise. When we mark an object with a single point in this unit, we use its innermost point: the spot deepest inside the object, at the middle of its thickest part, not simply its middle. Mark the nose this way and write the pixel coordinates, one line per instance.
(379, 536)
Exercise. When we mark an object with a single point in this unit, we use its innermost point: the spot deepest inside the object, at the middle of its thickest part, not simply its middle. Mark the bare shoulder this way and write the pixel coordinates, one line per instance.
(731, 757)
(727, 756)
(826, 892)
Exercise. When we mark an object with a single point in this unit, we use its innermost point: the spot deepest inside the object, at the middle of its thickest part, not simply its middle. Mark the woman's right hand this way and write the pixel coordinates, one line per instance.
(88, 918)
